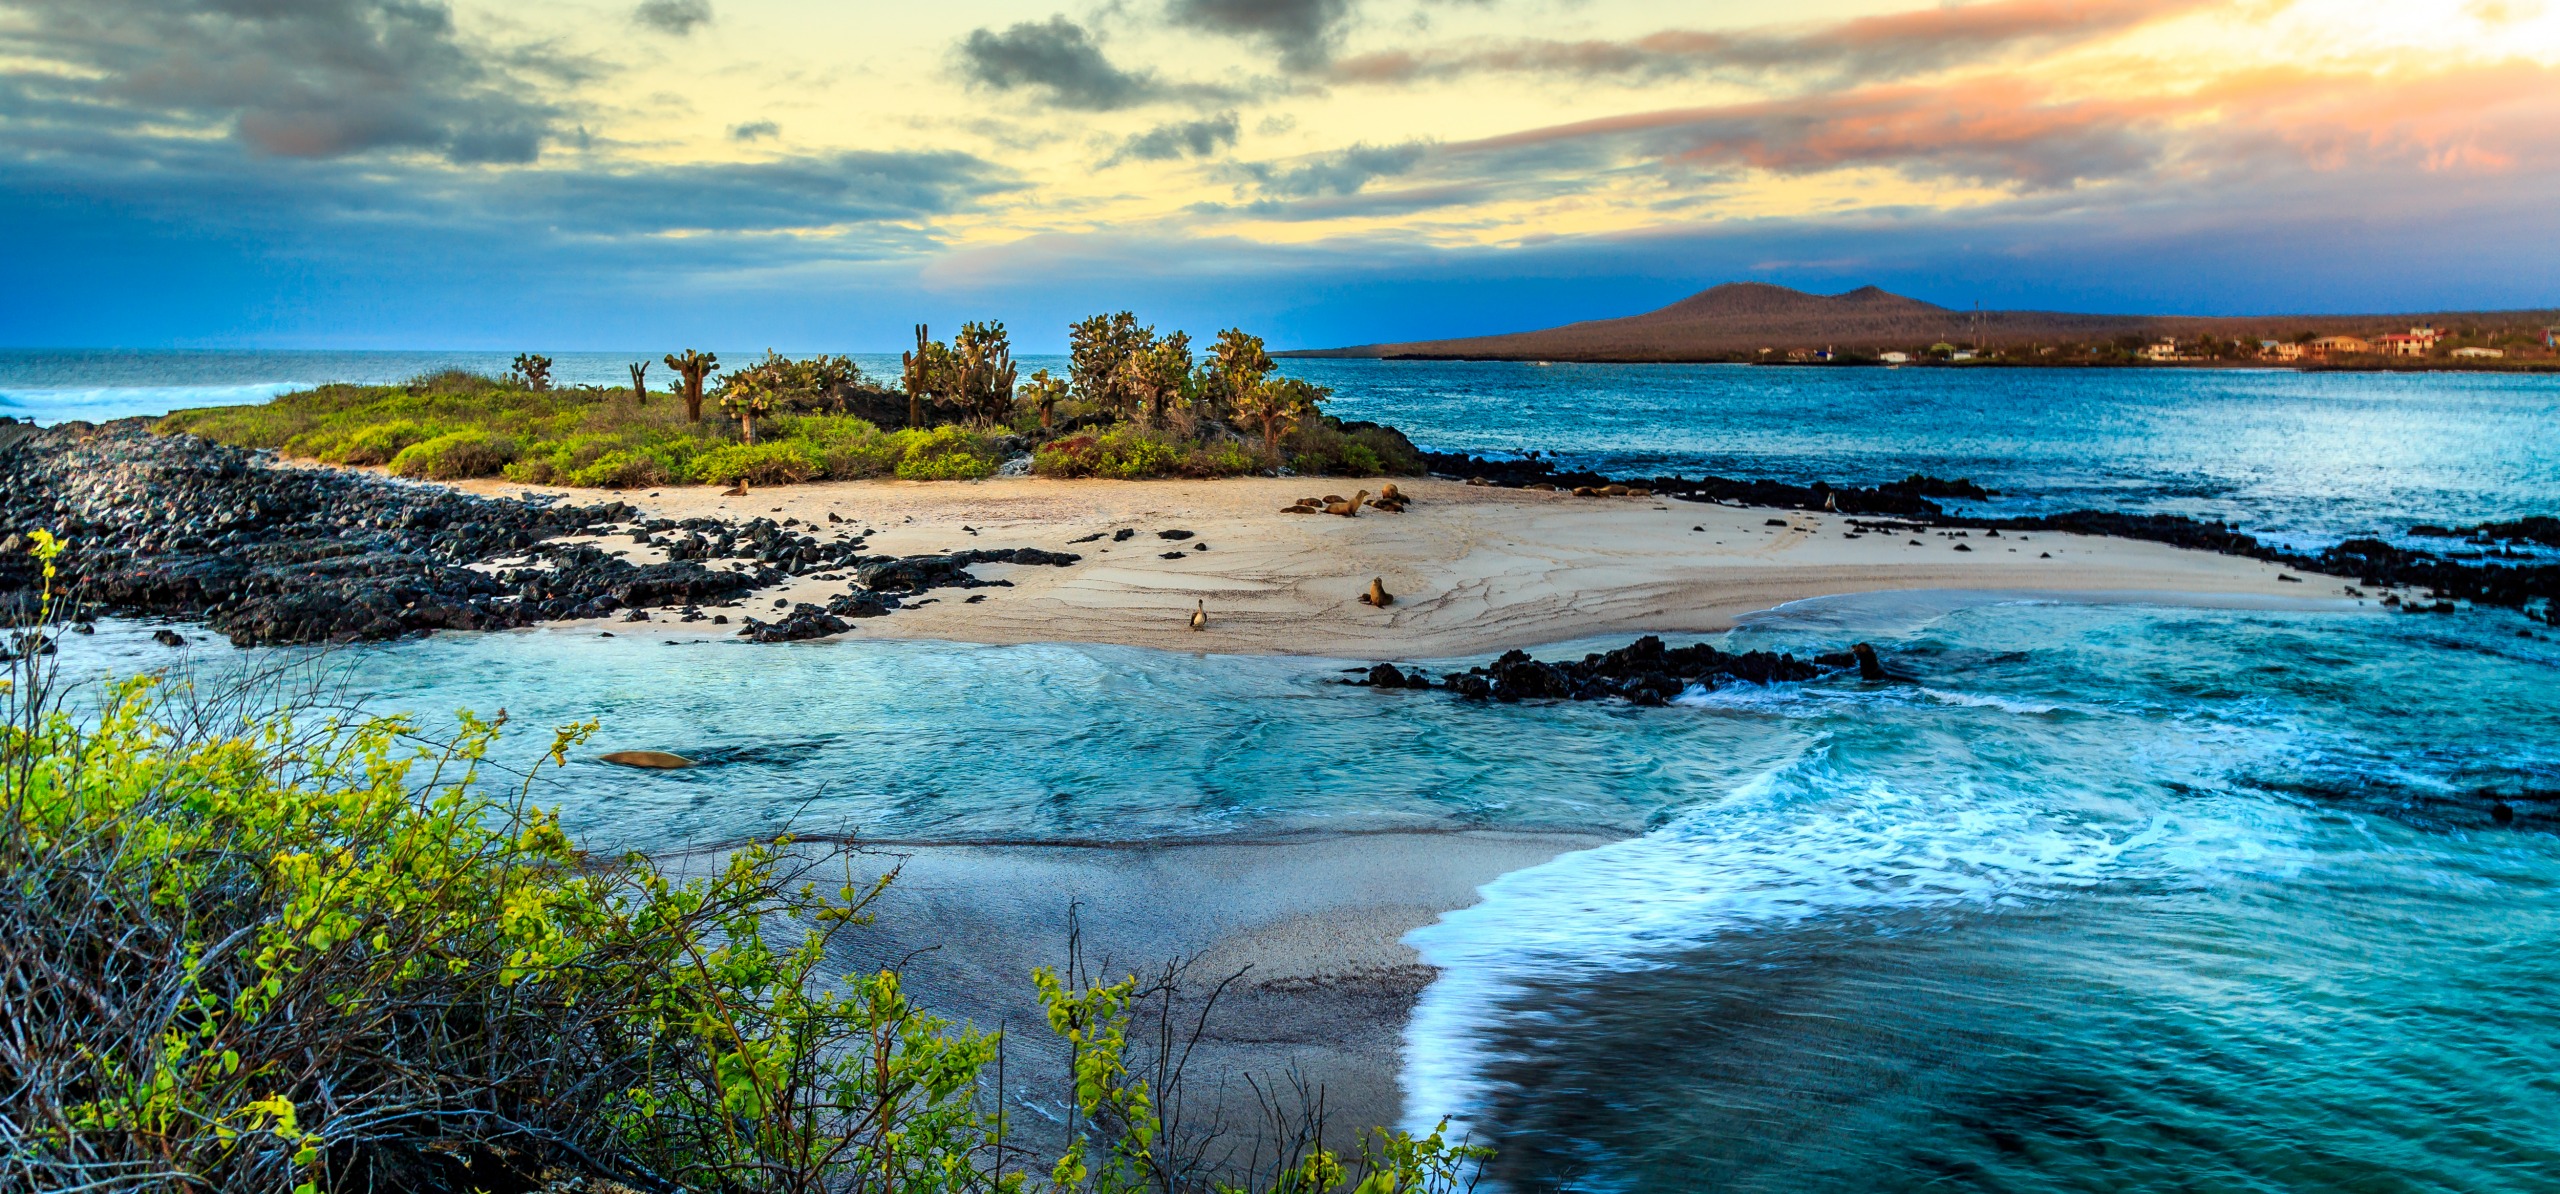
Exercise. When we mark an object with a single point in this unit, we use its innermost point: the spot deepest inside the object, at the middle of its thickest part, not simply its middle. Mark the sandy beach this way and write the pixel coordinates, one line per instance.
(1309, 928)
(1471, 568)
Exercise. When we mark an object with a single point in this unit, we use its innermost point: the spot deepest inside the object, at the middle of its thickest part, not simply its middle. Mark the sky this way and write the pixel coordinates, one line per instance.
(820, 175)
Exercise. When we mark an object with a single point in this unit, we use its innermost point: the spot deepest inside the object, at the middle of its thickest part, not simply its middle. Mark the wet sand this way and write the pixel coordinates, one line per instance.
(1309, 928)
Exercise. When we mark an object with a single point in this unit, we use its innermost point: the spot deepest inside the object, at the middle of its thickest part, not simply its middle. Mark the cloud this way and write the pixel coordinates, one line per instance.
(297, 78)
(1869, 49)
(1340, 172)
(1166, 142)
(1056, 56)
(2007, 132)
(1304, 32)
(755, 130)
(817, 191)
(675, 18)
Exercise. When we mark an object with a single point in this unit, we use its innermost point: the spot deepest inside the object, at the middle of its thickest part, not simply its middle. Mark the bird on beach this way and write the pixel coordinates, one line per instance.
(1200, 614)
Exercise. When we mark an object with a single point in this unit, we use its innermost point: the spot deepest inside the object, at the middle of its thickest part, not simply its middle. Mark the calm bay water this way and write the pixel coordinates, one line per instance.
(2117, 897)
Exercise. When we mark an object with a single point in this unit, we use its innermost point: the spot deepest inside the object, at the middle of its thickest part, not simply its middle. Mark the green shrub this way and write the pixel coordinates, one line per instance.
(759, 464)
(1224, 458)
(455, 456)
(945, 454)
(630, 468)
(1126, 453)
(1327, 447)
(377, 443)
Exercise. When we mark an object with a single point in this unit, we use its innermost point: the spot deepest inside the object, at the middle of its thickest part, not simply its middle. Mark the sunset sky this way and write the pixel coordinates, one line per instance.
(814, 175)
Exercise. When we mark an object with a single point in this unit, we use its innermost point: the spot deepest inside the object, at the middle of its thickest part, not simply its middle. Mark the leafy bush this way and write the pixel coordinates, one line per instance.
(626, 469)
(1124, 452)
(376, 443)
(769, 463)
(1223, 458)
(1325, 446)
(947, 453)
(340, 965)
(455, 456)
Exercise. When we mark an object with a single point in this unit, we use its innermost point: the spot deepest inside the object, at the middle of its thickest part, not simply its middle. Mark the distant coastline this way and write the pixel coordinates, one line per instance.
(1756, 323)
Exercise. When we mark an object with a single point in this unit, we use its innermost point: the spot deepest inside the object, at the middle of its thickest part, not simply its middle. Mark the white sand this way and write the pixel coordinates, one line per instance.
(1472, 568)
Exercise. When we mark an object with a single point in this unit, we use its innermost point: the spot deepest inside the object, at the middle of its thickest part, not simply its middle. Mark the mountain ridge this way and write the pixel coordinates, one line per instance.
(1736, 320)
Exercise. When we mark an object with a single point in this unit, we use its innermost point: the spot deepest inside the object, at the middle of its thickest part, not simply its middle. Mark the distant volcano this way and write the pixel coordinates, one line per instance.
(1736, 320)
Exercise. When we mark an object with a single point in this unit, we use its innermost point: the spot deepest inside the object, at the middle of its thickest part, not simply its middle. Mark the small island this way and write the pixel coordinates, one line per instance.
(1135, 405)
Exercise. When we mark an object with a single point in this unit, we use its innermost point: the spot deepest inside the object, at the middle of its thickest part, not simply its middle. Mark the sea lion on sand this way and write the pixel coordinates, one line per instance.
(1378, 594)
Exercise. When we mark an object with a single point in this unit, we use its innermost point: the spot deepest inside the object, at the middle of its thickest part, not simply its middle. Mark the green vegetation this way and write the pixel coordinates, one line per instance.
(1134, 405)
(250, 946)
(452, 426)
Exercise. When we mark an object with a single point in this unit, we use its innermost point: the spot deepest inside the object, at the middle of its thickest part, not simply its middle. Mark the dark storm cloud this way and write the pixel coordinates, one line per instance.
(1166, 142)
(297, 78)
(1303, 32)
(675, 18)
(1867, 48)
(1058, 57)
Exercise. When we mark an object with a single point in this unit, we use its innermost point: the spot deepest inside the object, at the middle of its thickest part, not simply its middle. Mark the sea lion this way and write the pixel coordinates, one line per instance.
(1349, 509)
(1378, 594)
(737, 490)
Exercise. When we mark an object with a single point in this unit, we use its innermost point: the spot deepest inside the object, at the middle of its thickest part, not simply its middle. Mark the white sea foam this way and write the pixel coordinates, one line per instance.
(1800, 841)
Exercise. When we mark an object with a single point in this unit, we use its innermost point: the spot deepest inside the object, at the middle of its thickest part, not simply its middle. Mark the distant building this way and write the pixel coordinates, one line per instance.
(2327, 346)
(2279, 350)
(2160, 350)
(1896, 358)
(2478, 353)
(1962, 354)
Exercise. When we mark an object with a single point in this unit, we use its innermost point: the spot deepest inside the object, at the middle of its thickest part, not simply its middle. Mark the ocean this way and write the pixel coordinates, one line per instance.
(2112, 897)
(2302, 459)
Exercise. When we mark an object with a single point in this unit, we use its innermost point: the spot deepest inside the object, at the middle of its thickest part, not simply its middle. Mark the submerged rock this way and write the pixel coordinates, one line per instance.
(654, 760)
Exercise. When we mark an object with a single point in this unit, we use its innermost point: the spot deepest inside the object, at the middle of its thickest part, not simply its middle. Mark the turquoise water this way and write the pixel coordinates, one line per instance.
(2116, 897)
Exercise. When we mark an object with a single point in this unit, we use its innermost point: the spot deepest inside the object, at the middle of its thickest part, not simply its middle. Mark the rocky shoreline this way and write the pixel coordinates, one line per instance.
(2491, 574)
(180, 527)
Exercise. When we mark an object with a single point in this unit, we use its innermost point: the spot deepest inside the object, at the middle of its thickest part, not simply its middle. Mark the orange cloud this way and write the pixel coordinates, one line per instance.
(2011, 130)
